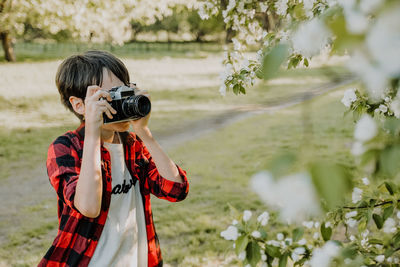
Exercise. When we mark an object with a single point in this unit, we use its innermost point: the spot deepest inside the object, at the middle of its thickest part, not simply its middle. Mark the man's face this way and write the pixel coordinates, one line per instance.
(110, 81)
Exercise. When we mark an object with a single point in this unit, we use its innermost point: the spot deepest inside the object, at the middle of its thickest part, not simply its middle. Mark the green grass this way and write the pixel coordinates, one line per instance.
(34, 52)
(219, 165)
(29, 146)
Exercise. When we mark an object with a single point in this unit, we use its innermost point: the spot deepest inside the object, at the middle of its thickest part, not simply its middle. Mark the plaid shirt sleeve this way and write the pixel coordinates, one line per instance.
(160, 186)
(63, 167)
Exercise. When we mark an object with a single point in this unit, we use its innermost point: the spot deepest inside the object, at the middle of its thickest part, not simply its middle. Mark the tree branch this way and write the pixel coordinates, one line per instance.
(376, 205)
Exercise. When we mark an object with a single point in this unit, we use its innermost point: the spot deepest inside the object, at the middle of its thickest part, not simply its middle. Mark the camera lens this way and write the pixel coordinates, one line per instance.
(137, 105)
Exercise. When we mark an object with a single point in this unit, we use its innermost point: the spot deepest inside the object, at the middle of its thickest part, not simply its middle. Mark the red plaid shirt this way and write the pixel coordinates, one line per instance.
(78, 235)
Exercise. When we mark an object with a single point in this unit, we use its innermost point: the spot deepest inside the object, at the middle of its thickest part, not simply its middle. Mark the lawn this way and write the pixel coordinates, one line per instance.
(219, 164)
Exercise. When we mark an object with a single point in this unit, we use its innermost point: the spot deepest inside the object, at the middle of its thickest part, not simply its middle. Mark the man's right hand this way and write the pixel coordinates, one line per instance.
(95, 105)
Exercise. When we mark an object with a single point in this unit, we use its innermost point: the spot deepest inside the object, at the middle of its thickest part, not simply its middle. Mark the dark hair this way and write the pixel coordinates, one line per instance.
(77, 72)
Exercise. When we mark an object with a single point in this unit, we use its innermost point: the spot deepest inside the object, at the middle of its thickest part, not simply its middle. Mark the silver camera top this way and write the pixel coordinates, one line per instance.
(120, 92)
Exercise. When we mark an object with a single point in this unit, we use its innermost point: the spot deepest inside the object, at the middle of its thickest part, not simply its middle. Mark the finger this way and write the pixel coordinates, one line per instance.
(105, 110)
(103, 103)
(110, 108)
(91, 90)
(101, 94)
(108, 113)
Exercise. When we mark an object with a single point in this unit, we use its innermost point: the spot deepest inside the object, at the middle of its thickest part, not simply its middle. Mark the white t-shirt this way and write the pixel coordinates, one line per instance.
(123, 242)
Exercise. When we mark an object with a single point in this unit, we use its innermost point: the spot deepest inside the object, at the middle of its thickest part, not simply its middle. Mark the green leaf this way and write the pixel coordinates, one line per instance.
(362, 224)
(390, 187)
(306, 62)
(297, 234)
(281, 164)
(241, 243)
(389, 159)
(326, 232)
(350, 251)
(393, 125)
(378, 220)
(264, 234)
(253, 254)
(375, 241)
(396, 239)
(242, 90)
(343, 39)
(283, 260)
(236, 89)
(273, 251)
(273, 60)
(387, 212)
(332, 182)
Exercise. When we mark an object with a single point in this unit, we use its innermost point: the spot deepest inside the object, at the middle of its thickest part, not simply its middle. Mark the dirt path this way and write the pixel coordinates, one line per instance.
(27, 188)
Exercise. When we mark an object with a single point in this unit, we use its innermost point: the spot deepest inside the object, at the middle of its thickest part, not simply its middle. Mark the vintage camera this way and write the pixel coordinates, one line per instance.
(128, 105)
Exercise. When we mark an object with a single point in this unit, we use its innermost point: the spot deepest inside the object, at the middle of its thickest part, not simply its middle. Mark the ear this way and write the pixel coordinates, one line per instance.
(77, 104)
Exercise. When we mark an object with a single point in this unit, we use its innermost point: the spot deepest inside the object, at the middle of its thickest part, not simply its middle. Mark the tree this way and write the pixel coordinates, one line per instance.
(89, 21)
(368, 220)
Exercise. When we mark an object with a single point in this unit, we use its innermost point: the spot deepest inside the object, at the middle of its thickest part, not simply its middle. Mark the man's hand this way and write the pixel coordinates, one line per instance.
(95, 105)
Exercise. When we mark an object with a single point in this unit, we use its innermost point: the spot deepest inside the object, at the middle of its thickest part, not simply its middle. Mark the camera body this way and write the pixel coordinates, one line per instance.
(128, 105)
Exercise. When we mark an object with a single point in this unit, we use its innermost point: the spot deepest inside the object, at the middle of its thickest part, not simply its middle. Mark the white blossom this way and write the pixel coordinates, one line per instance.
(389, 226)
(368, 6)
(256, 234)
(351, 222)
(349, 97)
(263, 6)
(380, 258)
(263, 257)
(302, 242)
(365, 181)
(357, 148)
(263, 218)
(222, 89)
(279, 236)
(246, 215)
(308, 224)
(310, 38)
(365, 129)
(281, 7)
(231, 233)
(372, 76)
(395, 107)
(234, 222)
(308, 6)
(383, 41)
(322, 257)
(316, 235)
(274, 243)
(299, 250)
(289, 241)
(356, 196)
(356, 21)
(383, 108)
(350, 214)
(293, 195)
(365, 233)
(242, 255)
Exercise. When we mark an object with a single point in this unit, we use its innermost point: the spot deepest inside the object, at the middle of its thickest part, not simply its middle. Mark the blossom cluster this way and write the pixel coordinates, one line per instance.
(91, 20)
(371, 226)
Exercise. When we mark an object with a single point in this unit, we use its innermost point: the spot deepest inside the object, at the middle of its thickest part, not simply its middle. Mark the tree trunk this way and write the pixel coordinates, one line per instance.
(229, 32)
(7, 46)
